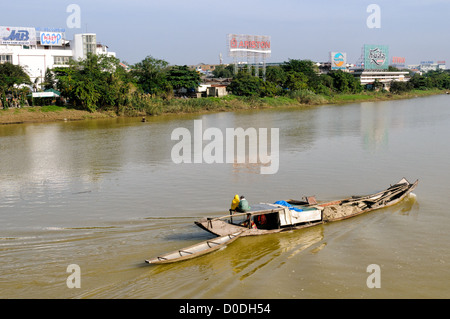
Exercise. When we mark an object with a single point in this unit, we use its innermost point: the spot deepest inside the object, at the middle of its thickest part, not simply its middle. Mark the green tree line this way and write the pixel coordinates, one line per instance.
(293, 76)
(100, 82)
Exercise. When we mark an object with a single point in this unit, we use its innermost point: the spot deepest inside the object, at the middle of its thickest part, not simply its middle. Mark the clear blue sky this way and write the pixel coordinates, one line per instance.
(191, 32)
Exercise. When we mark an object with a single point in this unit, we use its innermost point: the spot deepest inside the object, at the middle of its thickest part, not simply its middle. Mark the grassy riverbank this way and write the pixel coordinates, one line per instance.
(382, 96)
(152, 107)
(50, 113)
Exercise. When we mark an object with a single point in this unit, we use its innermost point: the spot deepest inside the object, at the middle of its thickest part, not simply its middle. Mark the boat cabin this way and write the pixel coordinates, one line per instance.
(273, 216)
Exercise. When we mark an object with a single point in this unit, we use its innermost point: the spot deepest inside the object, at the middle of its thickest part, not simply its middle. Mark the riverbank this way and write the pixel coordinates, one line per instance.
(50, 113)
(153, 107)
(383, 96)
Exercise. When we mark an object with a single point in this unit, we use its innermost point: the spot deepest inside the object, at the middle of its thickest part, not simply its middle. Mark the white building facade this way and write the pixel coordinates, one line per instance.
(37, 50)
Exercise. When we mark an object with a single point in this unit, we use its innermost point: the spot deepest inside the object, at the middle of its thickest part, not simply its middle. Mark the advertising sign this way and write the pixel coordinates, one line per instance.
(17, 36)
(51, 38)
(398, 61)
(240, 45)
(376, 57)
(338, 60)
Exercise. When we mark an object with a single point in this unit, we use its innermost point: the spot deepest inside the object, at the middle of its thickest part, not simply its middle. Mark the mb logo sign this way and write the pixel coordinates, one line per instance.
(17, 35)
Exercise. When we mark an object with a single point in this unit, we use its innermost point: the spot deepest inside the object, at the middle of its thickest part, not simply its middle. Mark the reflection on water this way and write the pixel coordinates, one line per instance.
(255, 253)
(106, 195)
(375, 125)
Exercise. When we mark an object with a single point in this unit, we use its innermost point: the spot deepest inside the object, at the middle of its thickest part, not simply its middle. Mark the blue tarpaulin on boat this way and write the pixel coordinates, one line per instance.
(286, 204)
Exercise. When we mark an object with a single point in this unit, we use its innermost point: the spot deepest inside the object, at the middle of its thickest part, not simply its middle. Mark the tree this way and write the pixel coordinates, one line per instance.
(49, 80)
(307, 68)
(276, 74)
(97, 81)
(393, 69)
(11, 76)
(397, 87)
(222, 71)
(344, 82)
(296, 81)
(245, 84)
(418, 81)
(181, 77)
(151, 75)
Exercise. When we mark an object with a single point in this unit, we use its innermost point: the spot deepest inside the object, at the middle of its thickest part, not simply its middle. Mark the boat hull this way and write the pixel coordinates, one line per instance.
(196, 250)
(276, 218)
(330, 212)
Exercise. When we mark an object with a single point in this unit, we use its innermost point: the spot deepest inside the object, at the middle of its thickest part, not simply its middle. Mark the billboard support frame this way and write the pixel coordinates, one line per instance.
(247, 46)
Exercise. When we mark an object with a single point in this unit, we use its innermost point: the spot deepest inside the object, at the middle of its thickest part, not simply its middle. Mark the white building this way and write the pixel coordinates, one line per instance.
(426, 66)
(383, 76)
(38, 50)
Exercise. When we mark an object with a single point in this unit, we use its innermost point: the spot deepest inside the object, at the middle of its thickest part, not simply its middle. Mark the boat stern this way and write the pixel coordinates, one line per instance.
(218, 227)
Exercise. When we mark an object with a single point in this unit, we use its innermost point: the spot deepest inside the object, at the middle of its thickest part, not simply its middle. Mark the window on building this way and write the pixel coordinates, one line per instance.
(5, 58)
(61, 60)
(89, 44)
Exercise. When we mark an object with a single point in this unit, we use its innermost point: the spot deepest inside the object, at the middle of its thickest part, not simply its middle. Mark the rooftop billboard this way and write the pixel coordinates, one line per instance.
(244, 45)
(376, 57)
(338, 60)
(51, 38)
(17, 35)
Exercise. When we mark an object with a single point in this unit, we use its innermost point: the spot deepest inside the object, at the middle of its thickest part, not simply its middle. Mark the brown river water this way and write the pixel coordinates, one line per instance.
(105, 195)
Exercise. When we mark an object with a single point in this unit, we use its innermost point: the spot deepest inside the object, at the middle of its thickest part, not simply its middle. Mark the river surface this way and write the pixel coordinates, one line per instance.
(106, 194)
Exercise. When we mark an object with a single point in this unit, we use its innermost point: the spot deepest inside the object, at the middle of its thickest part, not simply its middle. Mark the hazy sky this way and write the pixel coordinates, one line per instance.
(191, 32)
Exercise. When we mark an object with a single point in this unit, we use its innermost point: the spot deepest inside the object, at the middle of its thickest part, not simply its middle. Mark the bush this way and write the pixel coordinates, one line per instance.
(400, 87)
(307, 97)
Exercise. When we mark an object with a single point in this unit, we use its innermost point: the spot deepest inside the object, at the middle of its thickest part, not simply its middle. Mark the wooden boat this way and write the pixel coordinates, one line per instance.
(196, 250)
(286, 215)
(296, 214)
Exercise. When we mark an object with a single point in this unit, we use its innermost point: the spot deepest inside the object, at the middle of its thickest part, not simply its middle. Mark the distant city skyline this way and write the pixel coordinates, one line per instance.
(195, 32)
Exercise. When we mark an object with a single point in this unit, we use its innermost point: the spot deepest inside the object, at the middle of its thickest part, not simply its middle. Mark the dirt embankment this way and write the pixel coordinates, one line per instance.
(47, 114)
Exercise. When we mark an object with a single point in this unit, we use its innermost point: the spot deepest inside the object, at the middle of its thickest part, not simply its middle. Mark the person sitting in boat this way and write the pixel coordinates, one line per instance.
(234, 203)
(243, 205)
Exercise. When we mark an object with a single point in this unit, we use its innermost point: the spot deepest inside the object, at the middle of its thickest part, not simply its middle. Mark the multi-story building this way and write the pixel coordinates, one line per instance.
(426, 66)
(37, 50)
(368, 77)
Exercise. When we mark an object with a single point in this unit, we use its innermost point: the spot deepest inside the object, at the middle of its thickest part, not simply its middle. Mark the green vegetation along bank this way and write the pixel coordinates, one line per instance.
(155, 106)
(99, 86)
